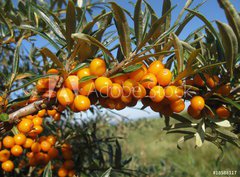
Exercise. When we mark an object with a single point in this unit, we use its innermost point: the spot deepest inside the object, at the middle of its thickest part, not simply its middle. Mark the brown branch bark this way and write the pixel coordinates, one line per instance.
(115, 69)
(27, 110)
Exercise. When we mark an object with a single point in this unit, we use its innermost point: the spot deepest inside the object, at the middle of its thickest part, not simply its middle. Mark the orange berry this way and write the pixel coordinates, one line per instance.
(30, 154)
(87, 87)
(157, 93)
(68, 164)
(37, 121)
(126, 98)
(97, 67)
(196, 114)
(155, 66)
(4, 155)
(67, 155)
(52, 71)
(52, 112)
(53, 153)
(16, 150)
(103, 85)
(177, 106)
(198, 80)
(224, 90)
(62, 172)
(65, 147)
(28, 143)
(39, 156)
(173, 93)
(209, 80)
(197, 103)
(65, 96)
(32, 161)
(120, 79)
(42, 85)
(41, 113)
(19, 139)
(119, 105)
(30, 117)
(149, 81)
(49, 94)
(25, 125)
(164, 77)
(129, 85)
(8, 166)
(72, 82)
(52, 139)
(115, 91)
(38, 129)
(71, 173)
(46, 158)
(8, 142)
(139, 92)
(36, 147)
(82, 103)
(223, 112)
(57, 116)
(109, 103)
(139, 73)
(45, 146)
(42, 138)
(83, 73)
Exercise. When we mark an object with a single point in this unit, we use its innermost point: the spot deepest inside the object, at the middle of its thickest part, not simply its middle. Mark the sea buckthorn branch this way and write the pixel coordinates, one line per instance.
(119, 66)
(27, 110)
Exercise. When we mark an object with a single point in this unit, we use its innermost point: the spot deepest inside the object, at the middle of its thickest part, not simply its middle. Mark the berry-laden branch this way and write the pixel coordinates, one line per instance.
(27, 110)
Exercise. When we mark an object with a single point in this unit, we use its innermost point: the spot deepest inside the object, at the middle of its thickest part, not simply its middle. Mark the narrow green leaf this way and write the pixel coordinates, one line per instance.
(48, 170)
(23, 75)
(138, 21)
(89, 26)
(107, 173)
(233, 17)
(187, 4)
(227, 133)
(145, 57)
(178, 52)
(224, 123)
(7, 23)
(78, 67)
(118, 155)
(167, 22)
(229, 101)
(4, 117)
(70, 24)
(154, 16)
(42, 34)
(186, 20)
(200, 134)
(209, 25)
(132, 68)
(230, 44)
(47, 53)
(153, 30)
(92, 40)
(87, 78)
(51, 23)
(122, 28)
(16, 56)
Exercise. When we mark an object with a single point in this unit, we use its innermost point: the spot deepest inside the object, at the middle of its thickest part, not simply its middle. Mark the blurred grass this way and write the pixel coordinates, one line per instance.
(156, 153)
